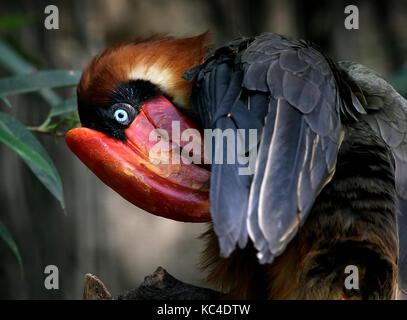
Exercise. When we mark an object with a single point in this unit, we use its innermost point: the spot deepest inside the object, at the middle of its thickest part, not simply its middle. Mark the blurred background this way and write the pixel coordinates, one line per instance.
(101, 233)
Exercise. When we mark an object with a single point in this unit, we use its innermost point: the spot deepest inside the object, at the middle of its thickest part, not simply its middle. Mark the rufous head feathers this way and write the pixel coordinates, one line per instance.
(162, 62)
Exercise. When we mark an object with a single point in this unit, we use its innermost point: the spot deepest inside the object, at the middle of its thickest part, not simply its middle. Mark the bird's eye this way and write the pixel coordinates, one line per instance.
(121, 115)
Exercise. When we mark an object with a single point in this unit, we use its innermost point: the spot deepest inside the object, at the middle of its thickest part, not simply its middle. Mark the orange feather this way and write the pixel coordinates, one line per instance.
(162, 61)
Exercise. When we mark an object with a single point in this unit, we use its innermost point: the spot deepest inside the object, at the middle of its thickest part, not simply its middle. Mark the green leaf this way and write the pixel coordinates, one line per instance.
(6, 101)
(14, 63)
(8, 239)
(15, 135)
(13, 22)
(38, 80)
(67, 106)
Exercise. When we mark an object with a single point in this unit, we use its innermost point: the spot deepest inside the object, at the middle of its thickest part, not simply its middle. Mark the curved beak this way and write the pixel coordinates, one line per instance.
(142, 168)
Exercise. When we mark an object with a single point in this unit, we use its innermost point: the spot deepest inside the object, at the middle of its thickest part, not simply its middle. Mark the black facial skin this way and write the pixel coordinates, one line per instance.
(129, 96)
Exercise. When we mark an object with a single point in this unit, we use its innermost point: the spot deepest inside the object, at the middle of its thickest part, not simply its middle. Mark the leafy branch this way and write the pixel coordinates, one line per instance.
(24, 78)
(57, 128)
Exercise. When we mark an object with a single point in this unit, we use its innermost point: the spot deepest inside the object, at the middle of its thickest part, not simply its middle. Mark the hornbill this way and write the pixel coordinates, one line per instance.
(328, 184)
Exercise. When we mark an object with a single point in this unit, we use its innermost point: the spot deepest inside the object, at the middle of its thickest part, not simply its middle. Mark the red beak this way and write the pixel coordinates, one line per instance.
(178, 191)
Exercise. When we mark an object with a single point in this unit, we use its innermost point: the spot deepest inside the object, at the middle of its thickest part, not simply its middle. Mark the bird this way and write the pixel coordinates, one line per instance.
(320, 186)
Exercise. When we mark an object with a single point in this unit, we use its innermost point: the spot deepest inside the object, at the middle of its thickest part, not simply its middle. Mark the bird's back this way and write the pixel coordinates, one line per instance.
(353, 219)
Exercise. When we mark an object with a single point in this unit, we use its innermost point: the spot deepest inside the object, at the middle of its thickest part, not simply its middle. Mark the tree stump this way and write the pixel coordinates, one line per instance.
(158, 286)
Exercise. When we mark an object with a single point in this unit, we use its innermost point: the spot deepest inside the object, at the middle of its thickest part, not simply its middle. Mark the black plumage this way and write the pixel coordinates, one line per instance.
(129, 95)
(331, 162)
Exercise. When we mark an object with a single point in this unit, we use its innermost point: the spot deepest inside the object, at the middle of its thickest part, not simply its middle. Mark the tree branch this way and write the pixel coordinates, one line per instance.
(44, 131)
(158, 286)
(94, 289)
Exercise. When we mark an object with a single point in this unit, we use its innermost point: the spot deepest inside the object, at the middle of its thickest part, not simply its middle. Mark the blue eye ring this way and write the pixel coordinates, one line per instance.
(121, 115)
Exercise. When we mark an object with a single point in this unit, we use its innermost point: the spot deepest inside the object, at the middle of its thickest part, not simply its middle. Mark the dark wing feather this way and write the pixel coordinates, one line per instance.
(298, 158)
(387, 116)
(287, 91)
(218, 93)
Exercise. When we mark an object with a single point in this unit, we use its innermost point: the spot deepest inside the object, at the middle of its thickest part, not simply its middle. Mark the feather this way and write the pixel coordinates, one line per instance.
(156, 60)
(387, 118)
(255, 232)
(299, 140)
(278, 218)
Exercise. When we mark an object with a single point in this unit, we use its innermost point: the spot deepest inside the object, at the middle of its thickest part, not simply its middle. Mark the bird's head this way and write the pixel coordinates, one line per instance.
(126, 93)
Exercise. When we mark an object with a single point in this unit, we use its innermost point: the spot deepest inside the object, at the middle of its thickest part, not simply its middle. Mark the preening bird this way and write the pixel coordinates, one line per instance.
(328, 184)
